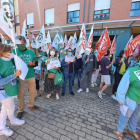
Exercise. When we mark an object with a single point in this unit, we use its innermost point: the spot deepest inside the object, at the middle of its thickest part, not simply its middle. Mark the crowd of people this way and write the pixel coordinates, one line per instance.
(117, 72)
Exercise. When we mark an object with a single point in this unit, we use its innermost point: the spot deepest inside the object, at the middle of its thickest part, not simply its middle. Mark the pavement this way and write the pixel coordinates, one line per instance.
(80, 117)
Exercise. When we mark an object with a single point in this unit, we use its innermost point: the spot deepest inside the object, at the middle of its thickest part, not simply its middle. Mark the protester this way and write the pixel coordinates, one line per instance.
(121, 64)
(90, 65)
(105, 77)
(8, 90)
(62, 55)
(68, 71)
(49, 81)
(95, 74)
(128, 96)
(27, 56)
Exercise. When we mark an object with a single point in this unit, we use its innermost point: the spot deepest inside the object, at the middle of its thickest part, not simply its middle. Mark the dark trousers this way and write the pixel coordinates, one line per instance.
(118, 78)
(37, 84)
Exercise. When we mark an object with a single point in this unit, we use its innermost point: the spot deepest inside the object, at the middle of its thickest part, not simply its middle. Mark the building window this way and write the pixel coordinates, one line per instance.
(101, 10)
(17, 20)
(135, 8)
(30, 20)
(73, 13)
(49, 17)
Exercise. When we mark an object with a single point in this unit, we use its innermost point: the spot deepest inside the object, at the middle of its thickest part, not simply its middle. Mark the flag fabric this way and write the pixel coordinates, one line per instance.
(33, 43)
(82, 39)
(40, 40)
(99, 41)
(104, 45)
(66, 40)
(47, 45)
(137, 51)
(70, 43)
(113, 46)
(129, 48)
(61, 43)
(3, 40)
(56, 41)
(89, 43)
(24, 33)
(135, 41)
(74, 41)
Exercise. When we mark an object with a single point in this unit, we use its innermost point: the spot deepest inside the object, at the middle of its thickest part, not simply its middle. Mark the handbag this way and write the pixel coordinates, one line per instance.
(51, 75)
(59, 78)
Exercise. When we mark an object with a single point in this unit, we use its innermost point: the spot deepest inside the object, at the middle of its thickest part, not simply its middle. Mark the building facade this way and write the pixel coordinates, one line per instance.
(121, 17)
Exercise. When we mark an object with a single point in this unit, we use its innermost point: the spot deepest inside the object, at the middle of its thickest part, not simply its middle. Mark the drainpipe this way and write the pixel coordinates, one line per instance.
(88, 12)
(84, 10)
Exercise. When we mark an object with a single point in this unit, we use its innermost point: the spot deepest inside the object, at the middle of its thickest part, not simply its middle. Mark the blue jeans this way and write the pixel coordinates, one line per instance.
(79, 77)
(133, 119)
(66, 77)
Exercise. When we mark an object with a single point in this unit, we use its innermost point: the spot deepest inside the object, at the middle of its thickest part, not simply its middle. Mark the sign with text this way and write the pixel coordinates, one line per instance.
(69, 58)
(137, 73)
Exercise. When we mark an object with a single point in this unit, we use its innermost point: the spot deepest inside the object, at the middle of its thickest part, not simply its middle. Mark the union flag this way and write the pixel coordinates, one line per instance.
(113, 46)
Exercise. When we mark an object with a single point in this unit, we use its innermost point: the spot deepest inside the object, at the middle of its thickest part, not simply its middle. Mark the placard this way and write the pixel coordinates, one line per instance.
(137, 73)
(69, 58)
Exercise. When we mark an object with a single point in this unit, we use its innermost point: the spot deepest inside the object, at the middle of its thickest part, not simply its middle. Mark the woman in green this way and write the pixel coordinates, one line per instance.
(49, 78)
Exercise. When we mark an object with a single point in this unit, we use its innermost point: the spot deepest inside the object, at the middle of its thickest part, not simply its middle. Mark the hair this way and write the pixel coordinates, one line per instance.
(51, 50)
(4, 49)
(121, 54)
(21, 38)
(36, 52)
(107, 53)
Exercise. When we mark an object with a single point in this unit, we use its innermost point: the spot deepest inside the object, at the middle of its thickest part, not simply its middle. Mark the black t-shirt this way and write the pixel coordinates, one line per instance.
(71, 68)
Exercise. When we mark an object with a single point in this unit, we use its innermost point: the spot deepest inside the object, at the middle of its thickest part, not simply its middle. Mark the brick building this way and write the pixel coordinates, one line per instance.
(121, 17)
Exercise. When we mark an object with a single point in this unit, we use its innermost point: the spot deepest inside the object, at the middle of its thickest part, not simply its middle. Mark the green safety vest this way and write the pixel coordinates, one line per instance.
(7, 69)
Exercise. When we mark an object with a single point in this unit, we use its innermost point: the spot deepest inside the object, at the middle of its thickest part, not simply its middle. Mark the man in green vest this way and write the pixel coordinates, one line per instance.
(27, 56)
(128, 95)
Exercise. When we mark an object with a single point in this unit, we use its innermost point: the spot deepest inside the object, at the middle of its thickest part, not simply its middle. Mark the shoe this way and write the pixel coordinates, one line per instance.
(34, 107)
(113, 96)
(103, 94)
(20, 115)
(92, 85)
(95, 84)
(63, 94)
(72, 93)
(57, 97)
(80, 90)
(17, 122)
(6, 132)
(100, 95)
(87, 89)
(48, 96)
(135, 135)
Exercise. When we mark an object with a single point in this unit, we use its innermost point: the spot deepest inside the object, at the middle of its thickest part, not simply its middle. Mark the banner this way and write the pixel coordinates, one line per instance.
(90, 40)
(69, 58)
(24, 33)
(3, 39)
(113, 46)
(56, 41)
(135, 41)
(129, 48)
(137, 51)
(74, 41)
(104, 45)
(99, 41)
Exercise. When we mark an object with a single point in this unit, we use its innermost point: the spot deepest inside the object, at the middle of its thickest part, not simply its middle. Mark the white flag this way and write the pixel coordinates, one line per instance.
(33, 43)
(66, 40)
(74, 42)
(25, 33)
(40, 41)
(70, 43)
(56, 41)
(61, 43)
(3, 39)
(47, 45)
(89, 43)
(82, 39)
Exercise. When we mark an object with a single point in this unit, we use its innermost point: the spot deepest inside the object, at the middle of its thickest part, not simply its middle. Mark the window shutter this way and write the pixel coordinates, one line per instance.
(73, 7)
(135, 0)
(49, 16)
(30, 18)
(102, 4)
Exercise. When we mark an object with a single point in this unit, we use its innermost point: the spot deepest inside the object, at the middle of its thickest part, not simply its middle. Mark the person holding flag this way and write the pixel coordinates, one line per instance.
(8, 90)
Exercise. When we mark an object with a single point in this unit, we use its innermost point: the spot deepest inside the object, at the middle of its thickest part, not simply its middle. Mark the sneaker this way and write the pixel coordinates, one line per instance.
(63, 94)
(19, 115)
(92, 85)
(72, 93)
(95, 84)
(57, 97)
(17, 122)
(48, 96)
(100, 95)
(80, 90)
(113, 97)
(34, 107)
(6, 132)
(103, 94)
(87, 89)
